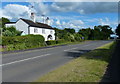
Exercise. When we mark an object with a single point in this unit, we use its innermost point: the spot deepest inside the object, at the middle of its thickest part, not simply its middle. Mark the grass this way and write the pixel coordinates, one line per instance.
(89, 67)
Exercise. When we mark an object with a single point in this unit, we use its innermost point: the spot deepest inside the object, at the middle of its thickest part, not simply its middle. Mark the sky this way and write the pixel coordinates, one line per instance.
(62, 15)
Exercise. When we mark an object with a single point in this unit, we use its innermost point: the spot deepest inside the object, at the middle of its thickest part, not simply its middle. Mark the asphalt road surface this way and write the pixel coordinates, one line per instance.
(28, 66)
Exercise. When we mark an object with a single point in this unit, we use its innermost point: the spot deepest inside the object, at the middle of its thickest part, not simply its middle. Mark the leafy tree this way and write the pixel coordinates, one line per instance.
(98, 33)
(106, 30)
(7, 33)
(78, 37)
(4, 20)
(18, 33)
(10, 31)
(118, 30)
(72, 31)
(85, 32)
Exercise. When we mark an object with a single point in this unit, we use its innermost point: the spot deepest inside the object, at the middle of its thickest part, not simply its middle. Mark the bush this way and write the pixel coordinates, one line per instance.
(7, 40)
(16, 47)
(51, 42)
(7, 33)
(10, 31)
(78, 37)
(60, 41)
(23, 42)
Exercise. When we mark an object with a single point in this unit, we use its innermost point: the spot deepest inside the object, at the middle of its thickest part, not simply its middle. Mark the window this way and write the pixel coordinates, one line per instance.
(51, 32)
(35, 30)
(43, 31)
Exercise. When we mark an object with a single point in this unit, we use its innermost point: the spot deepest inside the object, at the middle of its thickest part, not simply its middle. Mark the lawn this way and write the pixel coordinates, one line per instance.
(89, 67)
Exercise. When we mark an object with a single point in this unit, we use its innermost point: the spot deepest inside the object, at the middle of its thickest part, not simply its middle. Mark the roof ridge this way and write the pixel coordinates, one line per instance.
(36, 24)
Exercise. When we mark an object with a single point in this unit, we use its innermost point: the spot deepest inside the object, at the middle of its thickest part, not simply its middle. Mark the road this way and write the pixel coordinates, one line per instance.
(30, 65)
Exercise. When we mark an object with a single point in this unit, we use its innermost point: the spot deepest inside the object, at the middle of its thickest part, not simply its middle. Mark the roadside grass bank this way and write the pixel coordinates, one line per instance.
(89, 67)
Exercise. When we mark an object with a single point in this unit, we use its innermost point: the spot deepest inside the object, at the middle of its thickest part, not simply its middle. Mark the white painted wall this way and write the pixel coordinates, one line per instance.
(10, 25)
(45, 35)
(22, 26)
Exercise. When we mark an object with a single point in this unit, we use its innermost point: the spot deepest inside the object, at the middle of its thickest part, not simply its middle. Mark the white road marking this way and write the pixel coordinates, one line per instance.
(87, 45)
(25, 59)
(70, 49)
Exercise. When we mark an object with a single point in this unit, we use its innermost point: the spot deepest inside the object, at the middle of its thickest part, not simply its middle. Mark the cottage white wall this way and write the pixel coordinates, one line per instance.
(45, 35)
(10, 25)
(22, 26)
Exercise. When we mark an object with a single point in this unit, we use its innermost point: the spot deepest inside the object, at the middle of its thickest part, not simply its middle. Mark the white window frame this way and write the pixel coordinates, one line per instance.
(51, 32)
(43, 31)
(35, 30)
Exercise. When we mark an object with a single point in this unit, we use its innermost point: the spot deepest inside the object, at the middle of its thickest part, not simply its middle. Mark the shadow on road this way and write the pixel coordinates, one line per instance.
(91, 55)
(76, 53)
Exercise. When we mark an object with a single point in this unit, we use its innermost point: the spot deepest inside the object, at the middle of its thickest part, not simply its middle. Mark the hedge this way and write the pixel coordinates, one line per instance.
(60, 41)
(23, 42)
(51, 42)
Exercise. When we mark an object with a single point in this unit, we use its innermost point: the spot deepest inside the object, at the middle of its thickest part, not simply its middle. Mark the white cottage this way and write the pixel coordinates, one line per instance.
(31, 27)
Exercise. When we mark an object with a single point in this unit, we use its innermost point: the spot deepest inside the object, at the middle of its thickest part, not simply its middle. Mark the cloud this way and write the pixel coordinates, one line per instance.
(15, 11)
(41, 8)
(107, 21)
(104, 21)
(64, 6)
(77, 22)
(2, 15)
(85, 7)
(58, 22)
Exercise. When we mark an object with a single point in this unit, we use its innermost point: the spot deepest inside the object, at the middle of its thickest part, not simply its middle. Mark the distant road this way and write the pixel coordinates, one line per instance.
(30, 65)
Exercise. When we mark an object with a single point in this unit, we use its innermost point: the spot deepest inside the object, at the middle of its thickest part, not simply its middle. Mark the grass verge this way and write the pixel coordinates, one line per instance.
(89, 67)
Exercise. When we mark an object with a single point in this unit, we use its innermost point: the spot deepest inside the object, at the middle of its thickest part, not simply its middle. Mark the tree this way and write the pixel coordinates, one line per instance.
(72, 31)
(85, 32)
(7, 33)
(78, 37)
(10, 31)
(4, 20)
(98, 33)
(118, 30)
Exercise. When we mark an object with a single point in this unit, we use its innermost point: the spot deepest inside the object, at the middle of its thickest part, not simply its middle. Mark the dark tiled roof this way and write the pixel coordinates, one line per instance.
(37, 24)
(10, 23)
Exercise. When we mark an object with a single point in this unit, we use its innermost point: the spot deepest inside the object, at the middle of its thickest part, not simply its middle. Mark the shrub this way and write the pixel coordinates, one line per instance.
(7, 33)
(7, 40)
(23, 42)
(51, 42)
(78, 37)
(60, 41)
